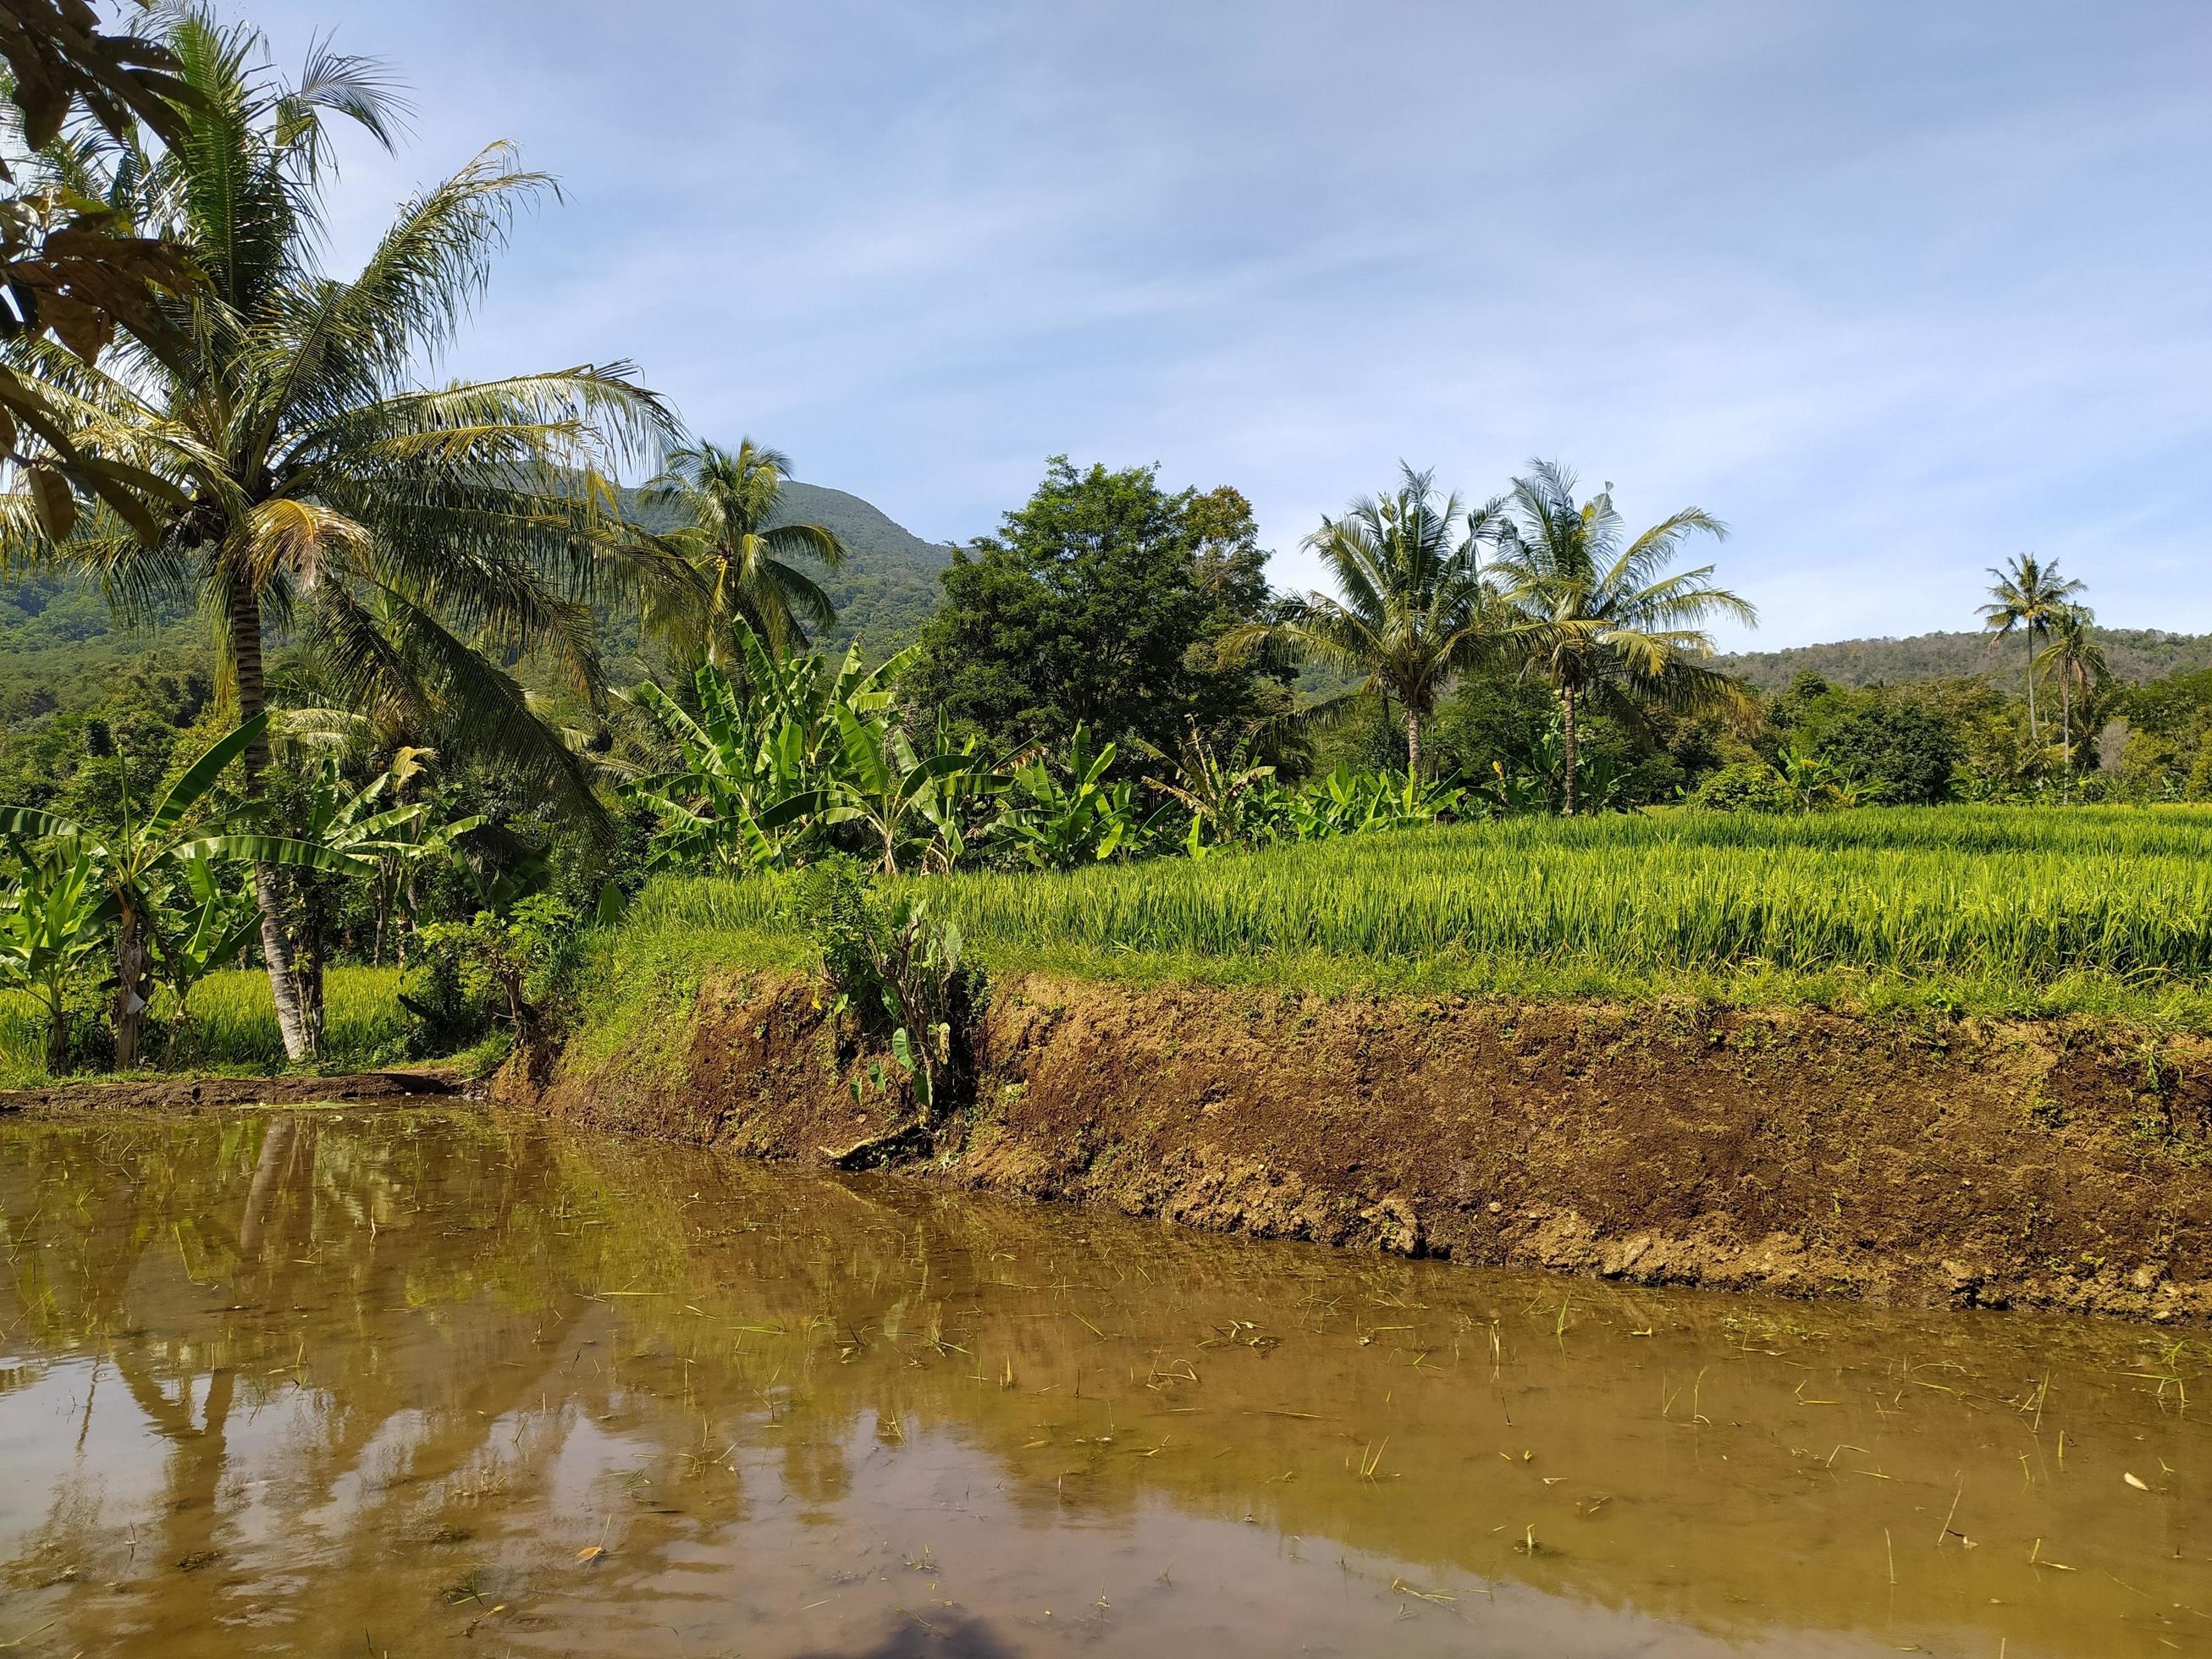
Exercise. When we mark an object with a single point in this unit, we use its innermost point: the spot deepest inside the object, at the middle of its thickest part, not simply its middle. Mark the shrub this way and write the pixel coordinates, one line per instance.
(1745, 786)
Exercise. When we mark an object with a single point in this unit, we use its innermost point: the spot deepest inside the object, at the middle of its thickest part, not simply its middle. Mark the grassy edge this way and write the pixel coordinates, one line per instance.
(642, 984)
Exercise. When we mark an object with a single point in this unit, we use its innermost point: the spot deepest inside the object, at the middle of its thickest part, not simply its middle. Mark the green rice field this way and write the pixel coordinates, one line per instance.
(234, 1024)
(1997, 909)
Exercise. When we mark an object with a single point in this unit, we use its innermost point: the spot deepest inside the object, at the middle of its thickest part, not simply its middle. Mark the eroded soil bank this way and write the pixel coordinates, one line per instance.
(1804, 1153)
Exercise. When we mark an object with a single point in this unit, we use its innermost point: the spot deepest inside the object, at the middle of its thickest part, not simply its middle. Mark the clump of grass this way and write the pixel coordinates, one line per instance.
(633, 989)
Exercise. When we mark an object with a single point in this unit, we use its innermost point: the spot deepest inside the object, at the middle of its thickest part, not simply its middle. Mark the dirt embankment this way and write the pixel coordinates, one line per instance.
(1804, 1153)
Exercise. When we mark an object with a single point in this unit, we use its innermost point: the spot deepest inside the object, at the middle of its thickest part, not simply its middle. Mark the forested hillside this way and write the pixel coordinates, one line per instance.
(2130, 653)
(888, 584)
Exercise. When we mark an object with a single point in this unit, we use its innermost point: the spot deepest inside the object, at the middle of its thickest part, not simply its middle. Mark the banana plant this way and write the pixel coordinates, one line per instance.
(137, 867)
(53, 924)
(1403, 801)
(1812, 782)
(760, 754)
(1210, 788)
(908, 806)
(742, 787)
(1084, 820)
(374, 841)
(205, 923)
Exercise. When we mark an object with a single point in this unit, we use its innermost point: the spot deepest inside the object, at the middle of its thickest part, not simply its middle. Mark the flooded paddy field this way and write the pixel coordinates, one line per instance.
(423, 1380)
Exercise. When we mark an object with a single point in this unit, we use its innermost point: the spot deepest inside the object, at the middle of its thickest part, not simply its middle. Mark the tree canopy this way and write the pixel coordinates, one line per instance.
(1103, 602)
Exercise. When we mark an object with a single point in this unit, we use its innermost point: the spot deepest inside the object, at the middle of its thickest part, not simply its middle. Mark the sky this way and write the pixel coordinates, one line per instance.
(1897, 290)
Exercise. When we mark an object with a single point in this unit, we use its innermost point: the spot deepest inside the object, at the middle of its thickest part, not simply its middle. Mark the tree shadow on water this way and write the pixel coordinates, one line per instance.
(945, 1638)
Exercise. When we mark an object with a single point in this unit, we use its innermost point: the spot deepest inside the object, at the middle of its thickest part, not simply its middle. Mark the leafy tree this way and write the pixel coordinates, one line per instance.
(1600, 615)
(1410, 612)
(740, 560)
(1745, 787)
(421, 539)
(1900, 752)
(69, 262)
(1103, 602)
(2026, 598)
(510, 952)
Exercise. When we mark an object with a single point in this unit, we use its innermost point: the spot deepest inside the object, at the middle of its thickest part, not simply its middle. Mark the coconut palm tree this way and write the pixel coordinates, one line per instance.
(421, 541)
(1598, 612)
(2076, 661)
(2026, 598)
(724, 508)
(68, 260)
(1410, 613)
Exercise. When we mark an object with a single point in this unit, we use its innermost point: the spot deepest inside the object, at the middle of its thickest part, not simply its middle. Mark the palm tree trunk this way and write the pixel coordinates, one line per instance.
(1412, 745)
(2034, 731)
(58, 1034)
(1567, 745)
(2066, 732)
(244, 606)
(133, 969)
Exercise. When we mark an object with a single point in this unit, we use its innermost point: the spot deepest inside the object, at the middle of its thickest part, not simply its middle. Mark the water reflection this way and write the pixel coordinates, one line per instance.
(341, 1381)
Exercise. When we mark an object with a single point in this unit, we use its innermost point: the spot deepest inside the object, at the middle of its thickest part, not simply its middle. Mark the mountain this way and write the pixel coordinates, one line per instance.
(2132, 653)
(888, 586)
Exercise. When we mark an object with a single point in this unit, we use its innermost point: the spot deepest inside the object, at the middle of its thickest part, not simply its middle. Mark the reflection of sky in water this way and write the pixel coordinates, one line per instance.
(609, 1398)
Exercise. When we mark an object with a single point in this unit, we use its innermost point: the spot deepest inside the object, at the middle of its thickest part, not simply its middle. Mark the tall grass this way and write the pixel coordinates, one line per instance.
(234, 1024)
(2013, 904)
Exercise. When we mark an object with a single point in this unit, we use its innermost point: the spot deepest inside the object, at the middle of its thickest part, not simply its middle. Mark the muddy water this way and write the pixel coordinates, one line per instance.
(425, 1381)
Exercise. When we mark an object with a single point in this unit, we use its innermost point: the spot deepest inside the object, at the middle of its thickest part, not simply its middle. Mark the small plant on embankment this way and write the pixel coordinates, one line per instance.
(893, 970)
(518, 954)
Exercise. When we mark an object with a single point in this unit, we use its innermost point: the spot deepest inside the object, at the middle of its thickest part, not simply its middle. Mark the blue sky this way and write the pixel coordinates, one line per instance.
(1896, 289)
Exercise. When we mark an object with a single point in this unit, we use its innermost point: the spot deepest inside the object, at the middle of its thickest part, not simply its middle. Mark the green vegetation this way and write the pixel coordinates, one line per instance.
(2134, 656)
(233, 1026)
(722, 512)
(1104, 602)
(1414, 615)
(431, 695)
(1599, 613)
(888, 585)
(2102, 912)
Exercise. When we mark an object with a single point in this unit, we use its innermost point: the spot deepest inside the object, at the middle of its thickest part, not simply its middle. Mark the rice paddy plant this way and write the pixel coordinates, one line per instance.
(233, 1024)
(2014, 893)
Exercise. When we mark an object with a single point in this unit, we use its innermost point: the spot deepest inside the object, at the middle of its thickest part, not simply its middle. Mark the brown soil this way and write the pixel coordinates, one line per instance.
(1798, 1152)
(178, 1093)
